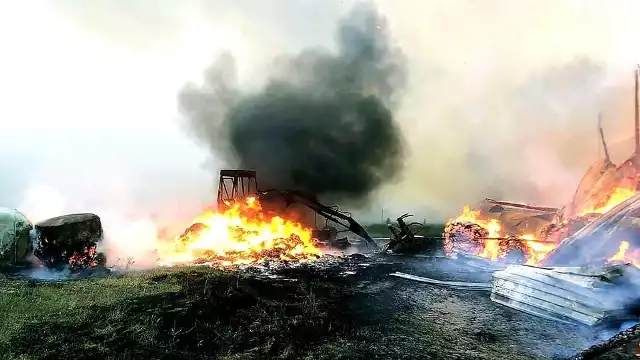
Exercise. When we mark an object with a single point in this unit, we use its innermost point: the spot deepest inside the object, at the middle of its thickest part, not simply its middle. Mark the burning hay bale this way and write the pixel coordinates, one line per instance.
(69, 240)
(520, 233)
(471, 233)
(464, 237)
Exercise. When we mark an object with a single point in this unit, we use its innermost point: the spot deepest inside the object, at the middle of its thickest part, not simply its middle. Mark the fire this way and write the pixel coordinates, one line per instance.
(617, 197)
(473, 216)
(242, 234)
(496, 245)
(537, 250)
(86, 258)
(491, 249)
(626, 256)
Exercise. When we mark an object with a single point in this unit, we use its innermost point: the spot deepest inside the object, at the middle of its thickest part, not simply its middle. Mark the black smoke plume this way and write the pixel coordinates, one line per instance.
(323, 122)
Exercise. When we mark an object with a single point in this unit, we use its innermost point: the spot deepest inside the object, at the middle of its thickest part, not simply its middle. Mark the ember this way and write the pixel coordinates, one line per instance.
(243, 234)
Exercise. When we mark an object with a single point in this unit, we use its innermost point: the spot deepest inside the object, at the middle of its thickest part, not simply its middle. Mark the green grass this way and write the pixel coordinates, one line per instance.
(205, 313)
(173, 313)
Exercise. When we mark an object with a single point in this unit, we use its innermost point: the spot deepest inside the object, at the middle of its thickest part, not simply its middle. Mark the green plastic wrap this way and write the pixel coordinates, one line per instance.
(15, 242)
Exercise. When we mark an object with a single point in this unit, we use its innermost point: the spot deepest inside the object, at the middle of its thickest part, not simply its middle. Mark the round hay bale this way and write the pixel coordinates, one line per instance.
(69, 240)
(15, 241)
(464, 237)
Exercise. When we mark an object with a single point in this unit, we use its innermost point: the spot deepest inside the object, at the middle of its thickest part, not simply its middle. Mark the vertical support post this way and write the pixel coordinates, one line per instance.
(636, 115)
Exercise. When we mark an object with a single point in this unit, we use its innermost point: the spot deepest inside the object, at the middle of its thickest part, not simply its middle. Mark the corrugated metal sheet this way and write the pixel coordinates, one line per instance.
(562, 294)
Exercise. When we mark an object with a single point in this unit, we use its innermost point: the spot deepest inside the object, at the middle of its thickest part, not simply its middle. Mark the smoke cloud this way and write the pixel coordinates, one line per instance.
(323, 122)
(489, 100)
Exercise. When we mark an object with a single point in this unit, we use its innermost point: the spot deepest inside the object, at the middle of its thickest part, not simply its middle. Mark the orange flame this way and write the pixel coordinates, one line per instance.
(491, 249)
(497, 244)
(534, 250)
(242, 234)
(617, 197)
(537, 250)
(625, 256)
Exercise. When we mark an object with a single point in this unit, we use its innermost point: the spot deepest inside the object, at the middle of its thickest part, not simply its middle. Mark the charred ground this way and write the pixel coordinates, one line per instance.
(315, 312)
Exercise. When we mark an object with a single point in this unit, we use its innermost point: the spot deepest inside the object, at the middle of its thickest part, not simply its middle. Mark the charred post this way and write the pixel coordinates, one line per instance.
(604, 142)
(636, 115)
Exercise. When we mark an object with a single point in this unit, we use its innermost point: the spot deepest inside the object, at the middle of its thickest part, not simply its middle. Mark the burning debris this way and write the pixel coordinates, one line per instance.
(509, 231)
(478, 234)
(241, 234)
(495, 230)
(613, 237)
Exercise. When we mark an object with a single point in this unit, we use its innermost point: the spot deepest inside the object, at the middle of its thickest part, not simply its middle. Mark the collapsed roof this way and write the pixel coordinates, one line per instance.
(600, 240)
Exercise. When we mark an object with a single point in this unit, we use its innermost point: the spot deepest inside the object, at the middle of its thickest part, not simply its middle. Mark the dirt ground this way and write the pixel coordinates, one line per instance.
(334, 309)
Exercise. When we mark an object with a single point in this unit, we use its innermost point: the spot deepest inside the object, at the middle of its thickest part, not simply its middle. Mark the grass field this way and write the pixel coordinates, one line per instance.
(192, 313)
(314, 312)
(174, 313)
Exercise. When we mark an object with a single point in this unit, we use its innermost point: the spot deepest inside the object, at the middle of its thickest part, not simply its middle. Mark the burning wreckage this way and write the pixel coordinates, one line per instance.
(579, 263)
(249, 226)
(253, 226)
(556, 263)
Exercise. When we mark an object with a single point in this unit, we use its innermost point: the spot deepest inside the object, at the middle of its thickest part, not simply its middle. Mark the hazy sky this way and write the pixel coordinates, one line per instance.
(502, 99)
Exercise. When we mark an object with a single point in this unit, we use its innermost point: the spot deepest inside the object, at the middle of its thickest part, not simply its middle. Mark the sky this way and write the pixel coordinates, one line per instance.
(502, 98)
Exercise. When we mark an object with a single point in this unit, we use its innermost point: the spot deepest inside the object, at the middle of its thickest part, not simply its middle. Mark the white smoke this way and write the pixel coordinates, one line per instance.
(42, 202)
(130, 238)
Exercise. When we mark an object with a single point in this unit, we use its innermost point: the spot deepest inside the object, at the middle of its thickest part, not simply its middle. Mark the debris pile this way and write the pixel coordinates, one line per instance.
(624, 345)
(613, 237)
(500, 230)
(537, 231)
(241, 234)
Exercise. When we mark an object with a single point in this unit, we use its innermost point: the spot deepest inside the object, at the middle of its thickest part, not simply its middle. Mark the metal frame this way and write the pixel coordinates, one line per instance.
(236, 184)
